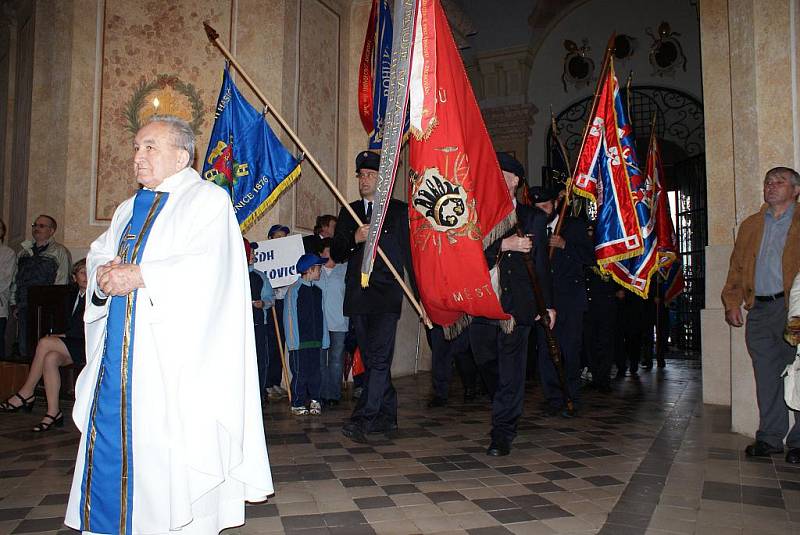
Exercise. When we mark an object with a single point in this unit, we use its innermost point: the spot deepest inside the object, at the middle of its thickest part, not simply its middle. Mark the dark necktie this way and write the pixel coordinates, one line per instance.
(369, 211)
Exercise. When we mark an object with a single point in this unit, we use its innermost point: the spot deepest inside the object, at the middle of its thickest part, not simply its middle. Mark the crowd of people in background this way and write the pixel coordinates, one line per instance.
(303, 336)
(306, 331)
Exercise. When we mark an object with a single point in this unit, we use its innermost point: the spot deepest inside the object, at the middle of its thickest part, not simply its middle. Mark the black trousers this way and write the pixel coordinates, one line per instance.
(501, 359)
(569, 334)
(377, 405)
(274, 363)
(262, 354)
(443, 354)
(632, 338)
(599, 332)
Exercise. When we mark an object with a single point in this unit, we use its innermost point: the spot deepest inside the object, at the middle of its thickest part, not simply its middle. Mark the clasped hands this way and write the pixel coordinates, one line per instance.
(792, 332)
(117, 278)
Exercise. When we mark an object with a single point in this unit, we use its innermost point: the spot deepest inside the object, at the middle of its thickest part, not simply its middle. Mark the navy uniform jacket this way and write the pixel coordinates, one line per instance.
(383, 293)
(568, 264)
(517, 296)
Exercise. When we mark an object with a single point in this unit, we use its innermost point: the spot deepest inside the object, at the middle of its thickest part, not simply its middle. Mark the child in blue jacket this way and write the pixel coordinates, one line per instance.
(306, 334)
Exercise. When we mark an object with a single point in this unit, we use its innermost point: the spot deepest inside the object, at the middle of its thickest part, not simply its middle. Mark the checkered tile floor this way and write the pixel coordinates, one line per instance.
(648, 458)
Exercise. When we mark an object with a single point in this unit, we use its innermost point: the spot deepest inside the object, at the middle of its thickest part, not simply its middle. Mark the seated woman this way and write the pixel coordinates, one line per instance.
(53, 352)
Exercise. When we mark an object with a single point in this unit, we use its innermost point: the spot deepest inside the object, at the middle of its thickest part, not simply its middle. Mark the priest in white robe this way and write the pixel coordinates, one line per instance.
(168, 403)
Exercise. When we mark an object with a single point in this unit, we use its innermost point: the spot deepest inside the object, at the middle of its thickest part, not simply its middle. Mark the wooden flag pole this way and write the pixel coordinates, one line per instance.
(600, 79)
(283, 358)
(213, 36)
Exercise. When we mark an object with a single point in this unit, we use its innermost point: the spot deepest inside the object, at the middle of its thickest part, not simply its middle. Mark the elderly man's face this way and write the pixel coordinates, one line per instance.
(42, 229)
(367, 182)
(155, 155)
(778, 189)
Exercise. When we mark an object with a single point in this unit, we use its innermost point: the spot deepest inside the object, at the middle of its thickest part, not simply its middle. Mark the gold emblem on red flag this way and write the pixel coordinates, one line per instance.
(446, 205)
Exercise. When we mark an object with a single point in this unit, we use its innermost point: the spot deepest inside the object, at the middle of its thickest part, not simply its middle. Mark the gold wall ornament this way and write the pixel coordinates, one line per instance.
(578, 66)
(166, 95)
(666, 53)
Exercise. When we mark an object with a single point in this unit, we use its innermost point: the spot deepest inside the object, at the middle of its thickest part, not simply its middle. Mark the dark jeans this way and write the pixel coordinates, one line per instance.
(331, 367)
(501, 359)
(599, 332)
(304, 364)
(770, 355)
(262, 354)
(443, 354)
(569, 334)
(274, 365)
(377, 406)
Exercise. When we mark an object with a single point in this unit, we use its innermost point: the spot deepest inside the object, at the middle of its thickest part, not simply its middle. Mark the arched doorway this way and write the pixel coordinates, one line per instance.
(681, 133)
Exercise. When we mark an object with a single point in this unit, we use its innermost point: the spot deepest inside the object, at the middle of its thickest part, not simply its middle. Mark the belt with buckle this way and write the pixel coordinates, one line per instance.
(773, 297)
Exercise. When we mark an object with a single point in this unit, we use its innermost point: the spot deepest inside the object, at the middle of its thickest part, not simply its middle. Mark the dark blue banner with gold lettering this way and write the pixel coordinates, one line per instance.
(246, 158)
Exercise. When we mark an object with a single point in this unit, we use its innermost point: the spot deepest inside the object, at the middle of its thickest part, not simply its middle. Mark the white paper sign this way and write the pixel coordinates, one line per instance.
(278, 258)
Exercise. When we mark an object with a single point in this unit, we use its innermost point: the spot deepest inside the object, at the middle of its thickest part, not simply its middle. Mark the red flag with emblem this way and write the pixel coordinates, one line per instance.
(458, 201)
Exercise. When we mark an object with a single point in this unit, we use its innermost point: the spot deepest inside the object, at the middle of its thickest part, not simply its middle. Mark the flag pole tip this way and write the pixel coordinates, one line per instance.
(211, 33)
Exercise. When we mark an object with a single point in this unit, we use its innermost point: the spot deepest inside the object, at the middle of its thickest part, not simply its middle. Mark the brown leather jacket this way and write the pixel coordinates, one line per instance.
(740, 286)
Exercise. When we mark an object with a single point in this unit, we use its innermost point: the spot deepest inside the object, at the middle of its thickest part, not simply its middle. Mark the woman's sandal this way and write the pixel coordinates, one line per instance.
(27, 404)
(55, 421)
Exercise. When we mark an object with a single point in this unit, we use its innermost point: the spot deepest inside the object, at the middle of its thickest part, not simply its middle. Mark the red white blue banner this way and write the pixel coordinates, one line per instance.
(602, 176)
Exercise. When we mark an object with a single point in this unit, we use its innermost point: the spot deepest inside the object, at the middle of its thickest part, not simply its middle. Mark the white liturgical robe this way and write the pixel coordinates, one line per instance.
(196, 429)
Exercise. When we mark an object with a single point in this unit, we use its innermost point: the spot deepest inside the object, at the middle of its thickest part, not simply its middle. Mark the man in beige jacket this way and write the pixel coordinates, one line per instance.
(763, 265)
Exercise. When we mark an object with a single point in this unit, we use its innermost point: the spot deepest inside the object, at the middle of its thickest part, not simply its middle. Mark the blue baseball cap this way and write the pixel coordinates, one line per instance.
(307, 260)
(276, 228)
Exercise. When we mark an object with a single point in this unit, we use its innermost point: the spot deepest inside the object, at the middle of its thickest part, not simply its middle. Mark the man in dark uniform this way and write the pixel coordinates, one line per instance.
(373, 311)
(573, 252)
(500, 355)
(600, 324)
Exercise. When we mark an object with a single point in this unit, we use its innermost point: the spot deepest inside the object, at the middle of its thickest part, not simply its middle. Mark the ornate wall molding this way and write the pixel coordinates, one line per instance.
(508, 124)
(502, 75)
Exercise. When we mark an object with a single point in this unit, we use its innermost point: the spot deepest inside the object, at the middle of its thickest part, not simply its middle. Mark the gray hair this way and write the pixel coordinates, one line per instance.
(794, 178)
(182, 133)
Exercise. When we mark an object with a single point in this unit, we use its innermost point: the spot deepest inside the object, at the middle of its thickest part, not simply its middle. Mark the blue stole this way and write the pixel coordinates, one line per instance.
(107, 485)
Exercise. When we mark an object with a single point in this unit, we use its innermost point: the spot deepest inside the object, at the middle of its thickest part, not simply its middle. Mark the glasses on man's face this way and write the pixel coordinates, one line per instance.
(40, 225)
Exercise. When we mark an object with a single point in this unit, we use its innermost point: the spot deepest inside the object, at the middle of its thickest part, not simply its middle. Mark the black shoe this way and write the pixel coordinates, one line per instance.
(436, 401)
(49, 422)
(569, 413)
(26, 404)
(759, 448)
(620, 376)
(354, 432)
(793, 456)
(662, 363)
(469, 395)
(498, 449)
(383, 427)
(647, 366)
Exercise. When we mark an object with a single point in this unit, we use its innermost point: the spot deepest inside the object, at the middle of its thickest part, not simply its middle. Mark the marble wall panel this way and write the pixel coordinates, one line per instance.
(317, 108)
(140, 43)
